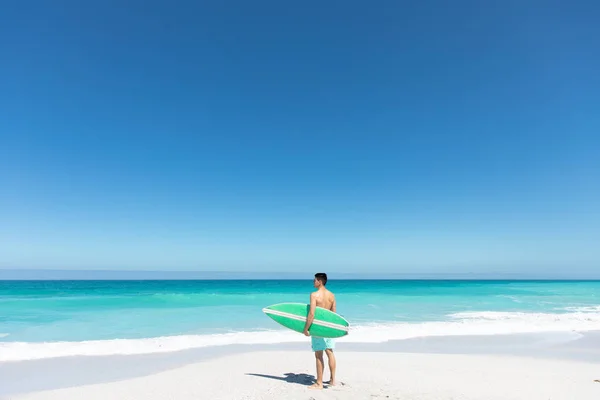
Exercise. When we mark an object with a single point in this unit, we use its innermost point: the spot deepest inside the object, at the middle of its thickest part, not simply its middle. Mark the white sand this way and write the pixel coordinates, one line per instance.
(364, 376)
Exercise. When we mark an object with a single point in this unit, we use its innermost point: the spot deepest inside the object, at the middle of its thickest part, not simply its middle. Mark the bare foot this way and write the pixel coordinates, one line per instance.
(316, 386)
(331, 383)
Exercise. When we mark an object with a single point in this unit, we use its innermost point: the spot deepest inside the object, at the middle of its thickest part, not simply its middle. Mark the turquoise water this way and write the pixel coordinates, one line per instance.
(89, 316)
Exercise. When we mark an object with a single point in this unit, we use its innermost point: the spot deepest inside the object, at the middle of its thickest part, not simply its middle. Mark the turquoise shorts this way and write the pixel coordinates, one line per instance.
(320, 344)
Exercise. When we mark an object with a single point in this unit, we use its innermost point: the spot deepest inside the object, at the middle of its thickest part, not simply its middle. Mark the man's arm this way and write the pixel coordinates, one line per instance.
(333, 306)
(311, 313)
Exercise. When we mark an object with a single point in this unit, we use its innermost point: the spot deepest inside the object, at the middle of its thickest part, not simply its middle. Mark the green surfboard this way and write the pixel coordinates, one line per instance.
(326, 324)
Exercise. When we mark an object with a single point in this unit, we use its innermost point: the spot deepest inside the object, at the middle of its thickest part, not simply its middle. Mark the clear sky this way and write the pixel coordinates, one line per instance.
(427, 136)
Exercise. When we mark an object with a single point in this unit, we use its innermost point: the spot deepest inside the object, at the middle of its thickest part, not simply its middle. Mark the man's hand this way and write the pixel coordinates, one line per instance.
(306, 333)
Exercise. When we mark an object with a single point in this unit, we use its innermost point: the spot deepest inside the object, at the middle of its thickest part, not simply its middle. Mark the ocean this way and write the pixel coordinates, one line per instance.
(41, 319)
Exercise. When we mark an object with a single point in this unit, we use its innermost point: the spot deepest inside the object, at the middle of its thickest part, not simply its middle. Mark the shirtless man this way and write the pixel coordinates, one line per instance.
(325, 299)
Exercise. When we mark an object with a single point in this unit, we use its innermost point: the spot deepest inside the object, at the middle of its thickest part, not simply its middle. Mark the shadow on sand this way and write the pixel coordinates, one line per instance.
(290, 377)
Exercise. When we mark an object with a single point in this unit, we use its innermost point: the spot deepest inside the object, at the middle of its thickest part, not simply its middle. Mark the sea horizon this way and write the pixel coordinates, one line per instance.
(9, 274)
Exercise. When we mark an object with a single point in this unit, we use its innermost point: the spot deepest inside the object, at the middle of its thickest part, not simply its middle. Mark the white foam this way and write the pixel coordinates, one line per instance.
(19, 351)
(3, 334)
(478, 323)
(583, 309)
(459, 324)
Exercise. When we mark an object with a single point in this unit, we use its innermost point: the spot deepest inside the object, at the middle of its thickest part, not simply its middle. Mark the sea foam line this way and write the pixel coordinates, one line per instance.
(459, 324)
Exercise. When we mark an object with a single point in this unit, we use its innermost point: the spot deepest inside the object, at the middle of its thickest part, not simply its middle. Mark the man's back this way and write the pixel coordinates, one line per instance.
(325, 299)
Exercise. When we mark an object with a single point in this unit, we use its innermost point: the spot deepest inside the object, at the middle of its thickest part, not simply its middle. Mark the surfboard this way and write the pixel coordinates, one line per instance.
(326, 324)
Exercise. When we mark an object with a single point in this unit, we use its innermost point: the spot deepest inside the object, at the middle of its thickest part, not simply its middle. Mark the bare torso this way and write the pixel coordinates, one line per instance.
(325, 299)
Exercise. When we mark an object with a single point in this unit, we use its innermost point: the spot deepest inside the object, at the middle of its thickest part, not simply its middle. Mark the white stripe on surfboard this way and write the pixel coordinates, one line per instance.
(300, 318)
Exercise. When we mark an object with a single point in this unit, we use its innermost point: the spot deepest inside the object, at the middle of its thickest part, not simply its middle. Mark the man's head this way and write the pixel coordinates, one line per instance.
(320, 279)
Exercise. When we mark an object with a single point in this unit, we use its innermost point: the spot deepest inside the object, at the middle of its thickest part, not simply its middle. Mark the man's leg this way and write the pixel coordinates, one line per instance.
(320, 365)
(332, 365)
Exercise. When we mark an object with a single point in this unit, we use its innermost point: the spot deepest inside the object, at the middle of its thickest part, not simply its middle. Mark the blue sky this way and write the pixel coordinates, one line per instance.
(340, 136)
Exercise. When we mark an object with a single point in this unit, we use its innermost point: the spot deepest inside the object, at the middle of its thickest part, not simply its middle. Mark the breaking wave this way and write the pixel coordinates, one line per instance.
(459, 324)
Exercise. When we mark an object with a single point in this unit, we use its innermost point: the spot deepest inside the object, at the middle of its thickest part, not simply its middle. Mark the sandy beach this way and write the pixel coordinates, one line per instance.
(559, 372)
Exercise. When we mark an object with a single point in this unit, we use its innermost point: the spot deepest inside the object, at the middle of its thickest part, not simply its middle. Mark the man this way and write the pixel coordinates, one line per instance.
(325, 299)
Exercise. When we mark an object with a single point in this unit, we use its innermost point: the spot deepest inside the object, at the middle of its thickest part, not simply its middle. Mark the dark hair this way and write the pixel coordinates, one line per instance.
(321, 276)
